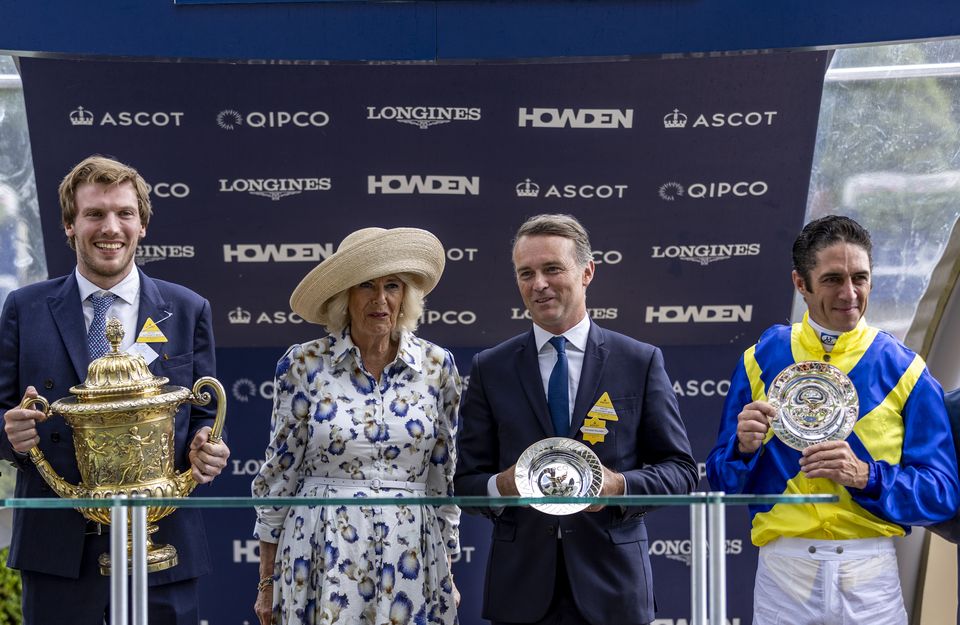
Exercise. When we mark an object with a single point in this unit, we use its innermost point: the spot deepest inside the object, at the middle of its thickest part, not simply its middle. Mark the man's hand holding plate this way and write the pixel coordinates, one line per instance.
(752, 425)
(507, 483)
(614, 484)
(835, 461)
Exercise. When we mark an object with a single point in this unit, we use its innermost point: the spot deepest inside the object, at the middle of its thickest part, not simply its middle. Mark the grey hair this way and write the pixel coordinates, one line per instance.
(411, 308)
(559, 225)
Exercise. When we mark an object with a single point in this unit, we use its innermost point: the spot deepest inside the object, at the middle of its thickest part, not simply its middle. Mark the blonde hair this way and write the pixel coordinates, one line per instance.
(337, 309)
(101, 170)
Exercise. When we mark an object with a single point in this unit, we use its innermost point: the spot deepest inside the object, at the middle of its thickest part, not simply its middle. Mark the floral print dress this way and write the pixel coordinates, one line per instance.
(332, 422)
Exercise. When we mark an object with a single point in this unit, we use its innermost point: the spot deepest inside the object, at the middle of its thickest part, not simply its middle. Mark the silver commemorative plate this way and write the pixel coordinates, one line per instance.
(559, 467)
(815, 402)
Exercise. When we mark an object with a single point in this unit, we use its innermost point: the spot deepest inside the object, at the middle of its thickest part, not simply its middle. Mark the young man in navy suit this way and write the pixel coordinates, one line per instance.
(44, 345)
(588, 568)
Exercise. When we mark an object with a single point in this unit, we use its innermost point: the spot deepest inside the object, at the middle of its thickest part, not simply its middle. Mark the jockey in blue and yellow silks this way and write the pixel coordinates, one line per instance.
(835, 563)
(902, 433)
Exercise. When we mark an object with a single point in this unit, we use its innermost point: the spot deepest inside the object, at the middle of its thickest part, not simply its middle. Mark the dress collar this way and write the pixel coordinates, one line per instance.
(126, 289)
(407, 352)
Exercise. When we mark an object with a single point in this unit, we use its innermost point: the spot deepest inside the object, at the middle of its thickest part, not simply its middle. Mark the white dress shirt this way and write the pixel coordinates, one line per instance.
(547, 356)
(126, 307)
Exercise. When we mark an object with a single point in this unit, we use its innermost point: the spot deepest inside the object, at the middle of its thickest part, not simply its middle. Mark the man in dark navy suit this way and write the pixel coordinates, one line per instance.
(569, 377)
(950, 530)
(44, 344)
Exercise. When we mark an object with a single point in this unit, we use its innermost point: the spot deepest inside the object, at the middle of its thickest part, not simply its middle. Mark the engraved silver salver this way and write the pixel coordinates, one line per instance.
(559, 467)
(815, 402)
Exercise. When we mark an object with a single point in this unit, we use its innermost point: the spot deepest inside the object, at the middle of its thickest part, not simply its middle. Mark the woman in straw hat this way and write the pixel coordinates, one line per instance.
(369, 410)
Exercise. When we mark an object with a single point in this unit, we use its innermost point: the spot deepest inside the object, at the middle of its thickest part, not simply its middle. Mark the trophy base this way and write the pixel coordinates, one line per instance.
(159, 557)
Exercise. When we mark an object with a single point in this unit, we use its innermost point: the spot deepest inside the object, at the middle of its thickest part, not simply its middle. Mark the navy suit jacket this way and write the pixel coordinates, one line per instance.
(951, 529)
(43, 344)
(505, 410)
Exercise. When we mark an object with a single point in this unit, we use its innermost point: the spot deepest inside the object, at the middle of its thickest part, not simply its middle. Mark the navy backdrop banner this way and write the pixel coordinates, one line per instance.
(691, 175)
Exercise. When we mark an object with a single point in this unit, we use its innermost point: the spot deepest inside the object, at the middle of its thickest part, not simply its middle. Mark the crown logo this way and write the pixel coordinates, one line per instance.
(80, 117)
(239, 315)
(676, 119)
(528, 189)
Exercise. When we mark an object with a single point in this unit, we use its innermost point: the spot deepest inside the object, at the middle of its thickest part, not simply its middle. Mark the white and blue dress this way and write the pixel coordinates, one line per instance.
(336, 432)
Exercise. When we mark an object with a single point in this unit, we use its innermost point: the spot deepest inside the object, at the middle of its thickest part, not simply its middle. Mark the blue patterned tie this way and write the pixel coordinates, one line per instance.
(558, 389)
(97, 334)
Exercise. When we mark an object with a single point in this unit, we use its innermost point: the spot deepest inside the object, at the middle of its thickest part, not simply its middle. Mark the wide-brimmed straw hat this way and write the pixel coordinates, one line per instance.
(364, 255)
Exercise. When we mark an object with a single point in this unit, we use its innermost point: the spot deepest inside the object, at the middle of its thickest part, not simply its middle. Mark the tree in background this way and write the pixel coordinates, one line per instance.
(887, 155)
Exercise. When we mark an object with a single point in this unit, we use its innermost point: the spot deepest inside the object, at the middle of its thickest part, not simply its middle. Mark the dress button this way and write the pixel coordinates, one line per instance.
(551, 529)
(826, 357)
(55, 437)
(48, 384)
(376, 483)
(839, 549)
(812, 549)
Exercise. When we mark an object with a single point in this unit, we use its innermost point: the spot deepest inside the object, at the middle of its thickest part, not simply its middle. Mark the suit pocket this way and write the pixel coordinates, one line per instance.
(628, 533)
(172, 362)
(627, 404)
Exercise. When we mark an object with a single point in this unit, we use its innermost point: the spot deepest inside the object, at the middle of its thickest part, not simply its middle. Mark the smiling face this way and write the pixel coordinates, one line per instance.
(553, 286)
(106, 231)
(839, 286)
(374, 307)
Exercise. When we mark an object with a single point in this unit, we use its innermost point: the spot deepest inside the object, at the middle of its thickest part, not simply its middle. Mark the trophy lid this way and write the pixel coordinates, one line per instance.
(117, 374)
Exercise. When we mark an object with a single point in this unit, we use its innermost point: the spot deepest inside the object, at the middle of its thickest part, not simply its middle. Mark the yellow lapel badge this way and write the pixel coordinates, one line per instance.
(594, 426)
(150, 333)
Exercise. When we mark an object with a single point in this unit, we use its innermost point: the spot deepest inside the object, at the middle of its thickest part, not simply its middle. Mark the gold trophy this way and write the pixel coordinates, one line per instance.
(123, 426)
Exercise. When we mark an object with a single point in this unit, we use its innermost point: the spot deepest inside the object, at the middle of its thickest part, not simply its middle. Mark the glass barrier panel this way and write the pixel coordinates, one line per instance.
(463, 502)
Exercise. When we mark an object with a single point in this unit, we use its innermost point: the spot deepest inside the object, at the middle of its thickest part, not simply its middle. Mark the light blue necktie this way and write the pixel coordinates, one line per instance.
(558, 389)
(97, 334)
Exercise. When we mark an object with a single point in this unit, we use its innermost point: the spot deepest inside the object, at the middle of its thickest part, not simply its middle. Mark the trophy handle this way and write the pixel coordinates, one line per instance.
(185, 479)
(47, 472)
(28, 403)
(202, 399)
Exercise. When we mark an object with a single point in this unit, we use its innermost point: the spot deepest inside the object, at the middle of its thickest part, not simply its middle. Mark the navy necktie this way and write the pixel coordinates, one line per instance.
(97, 334)
(558, 389)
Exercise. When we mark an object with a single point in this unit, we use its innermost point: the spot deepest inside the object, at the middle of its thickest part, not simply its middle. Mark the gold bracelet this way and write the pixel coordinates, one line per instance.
(265, 582)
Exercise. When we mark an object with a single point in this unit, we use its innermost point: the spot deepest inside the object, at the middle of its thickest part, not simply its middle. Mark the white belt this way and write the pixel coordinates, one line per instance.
(374, 484)
(821, 549)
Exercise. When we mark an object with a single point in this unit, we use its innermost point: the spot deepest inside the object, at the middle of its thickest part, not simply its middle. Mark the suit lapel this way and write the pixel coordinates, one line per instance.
(151, 303)
(593, 362)
(67, 312)
(528, 371)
